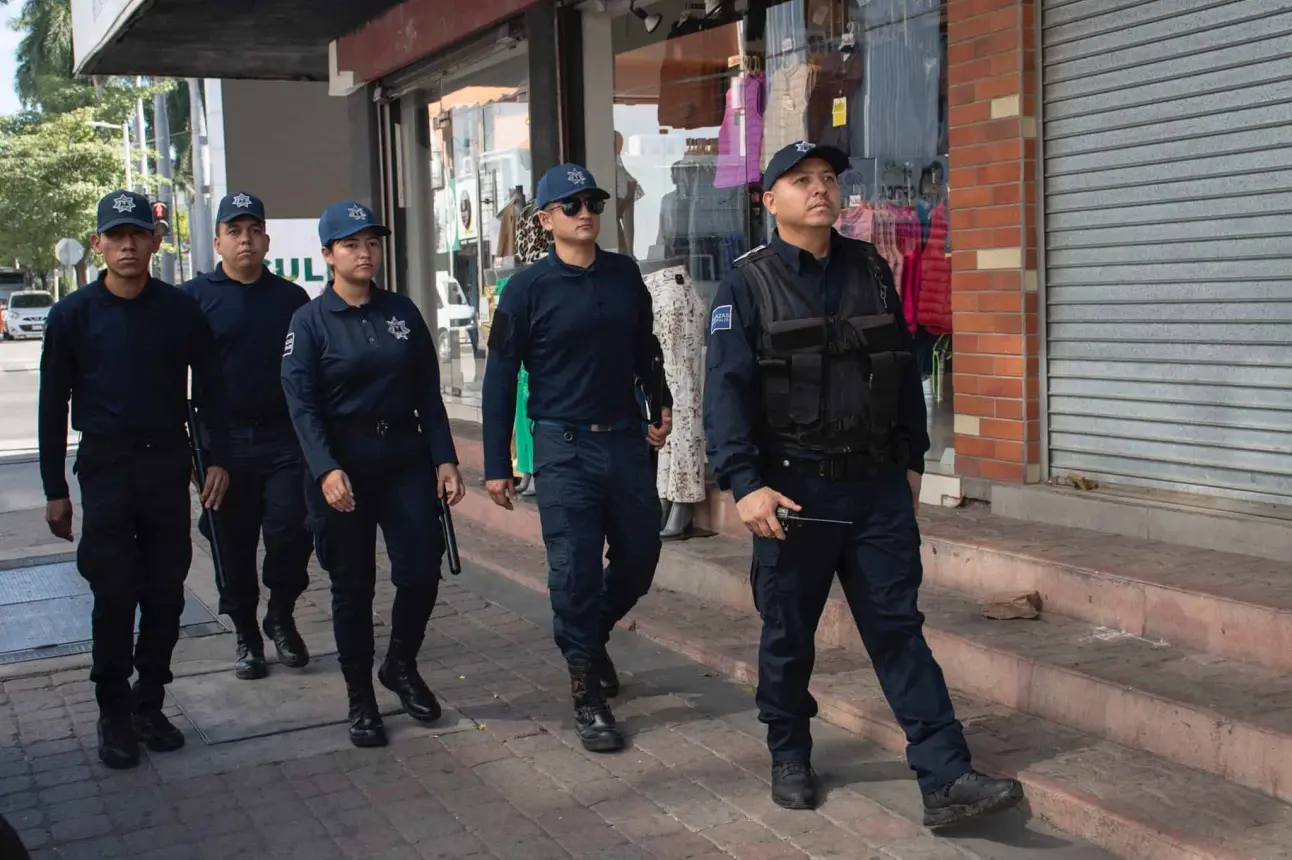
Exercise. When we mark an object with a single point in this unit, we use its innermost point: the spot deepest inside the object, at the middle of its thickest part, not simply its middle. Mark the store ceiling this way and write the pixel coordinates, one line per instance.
(250, 39)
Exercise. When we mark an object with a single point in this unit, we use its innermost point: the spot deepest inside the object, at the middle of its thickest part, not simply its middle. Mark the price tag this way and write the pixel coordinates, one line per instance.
(840, 111)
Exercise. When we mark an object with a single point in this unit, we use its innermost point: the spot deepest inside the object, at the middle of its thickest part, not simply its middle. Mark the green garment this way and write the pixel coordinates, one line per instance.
(524, 436)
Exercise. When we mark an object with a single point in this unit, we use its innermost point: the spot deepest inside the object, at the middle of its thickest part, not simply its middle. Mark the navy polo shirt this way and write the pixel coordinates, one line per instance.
(375, 362)
(250, 323)
(586, 336)
(733, 410)
(124, 363)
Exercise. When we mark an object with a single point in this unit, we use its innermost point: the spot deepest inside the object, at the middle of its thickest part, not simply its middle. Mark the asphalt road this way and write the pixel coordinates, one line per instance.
(19, 362)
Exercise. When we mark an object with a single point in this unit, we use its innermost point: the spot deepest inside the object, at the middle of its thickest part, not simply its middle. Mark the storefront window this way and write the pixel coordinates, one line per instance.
(705, 91)
(481, 178)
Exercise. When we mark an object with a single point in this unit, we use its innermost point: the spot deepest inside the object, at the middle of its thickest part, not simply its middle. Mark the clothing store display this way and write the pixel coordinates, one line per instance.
(903, 77)
(933, 309)
(523, 440)
(692, 77)
(839, 76)
(680, 315)
(785, 110)
(627, 192)
(701, 223)
(740, 139)
(532, 241)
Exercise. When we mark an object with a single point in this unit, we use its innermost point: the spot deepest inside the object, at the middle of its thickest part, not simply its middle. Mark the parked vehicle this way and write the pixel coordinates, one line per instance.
(454, 315)
(26, 314)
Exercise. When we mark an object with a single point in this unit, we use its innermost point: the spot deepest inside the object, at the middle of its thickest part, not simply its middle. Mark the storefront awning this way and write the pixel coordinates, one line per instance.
(255, 39)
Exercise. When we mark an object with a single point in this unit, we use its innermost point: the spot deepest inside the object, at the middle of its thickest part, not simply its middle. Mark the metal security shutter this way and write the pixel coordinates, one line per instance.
(1168, 243)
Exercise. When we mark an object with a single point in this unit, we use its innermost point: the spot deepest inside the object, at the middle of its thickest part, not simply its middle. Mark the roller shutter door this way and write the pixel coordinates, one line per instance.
(1167, 141)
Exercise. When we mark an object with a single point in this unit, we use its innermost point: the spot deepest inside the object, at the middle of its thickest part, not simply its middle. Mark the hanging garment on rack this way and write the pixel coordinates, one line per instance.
(857, 222)
(680, 315)
(532, 241)
(692, 77)
(740, 139)
(839, 76)
(933, 310)
(785, 110)
(523, 440)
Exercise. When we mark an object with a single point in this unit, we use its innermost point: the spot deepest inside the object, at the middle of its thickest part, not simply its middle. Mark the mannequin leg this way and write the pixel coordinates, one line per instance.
(678, 524)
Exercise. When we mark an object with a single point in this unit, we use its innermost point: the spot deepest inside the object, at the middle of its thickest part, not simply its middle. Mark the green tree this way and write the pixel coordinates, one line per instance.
(53, 171)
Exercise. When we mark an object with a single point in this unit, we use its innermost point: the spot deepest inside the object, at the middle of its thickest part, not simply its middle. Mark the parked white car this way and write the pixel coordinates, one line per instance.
(25, 316)
(453, 313)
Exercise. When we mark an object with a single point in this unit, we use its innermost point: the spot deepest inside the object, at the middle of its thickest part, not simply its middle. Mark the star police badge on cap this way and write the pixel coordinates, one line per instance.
(343, 220)
(789, 157)
(565, 181)
(124, 208)
(239, 205)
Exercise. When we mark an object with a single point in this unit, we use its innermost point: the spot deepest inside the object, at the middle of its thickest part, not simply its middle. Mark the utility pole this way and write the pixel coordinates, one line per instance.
(199, 216)
(141, 138)
(161, 128)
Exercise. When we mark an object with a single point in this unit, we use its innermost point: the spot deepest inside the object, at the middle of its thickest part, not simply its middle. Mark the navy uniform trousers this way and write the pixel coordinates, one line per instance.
(596, 499)
(135, 552)
(878, 563)
(265, 474)
(394, 484)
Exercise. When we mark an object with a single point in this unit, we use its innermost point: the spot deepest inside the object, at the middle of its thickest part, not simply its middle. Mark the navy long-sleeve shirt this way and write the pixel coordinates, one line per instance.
(124, 363)
(374, 362)
(733, 410)
(586, 337)
(250, 323)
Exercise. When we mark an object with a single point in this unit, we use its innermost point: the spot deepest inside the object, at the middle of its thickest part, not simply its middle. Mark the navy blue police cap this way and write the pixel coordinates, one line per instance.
(565, 181)
(239, 205)
(343, 220)
(787, 158)
(122, 208)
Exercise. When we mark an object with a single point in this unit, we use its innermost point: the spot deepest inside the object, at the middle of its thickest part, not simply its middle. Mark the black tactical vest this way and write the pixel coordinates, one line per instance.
(830, 384)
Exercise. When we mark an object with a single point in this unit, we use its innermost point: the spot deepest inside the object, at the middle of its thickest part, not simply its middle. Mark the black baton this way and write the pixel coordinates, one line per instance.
(450, 537)
(788, 518)
(199, 467)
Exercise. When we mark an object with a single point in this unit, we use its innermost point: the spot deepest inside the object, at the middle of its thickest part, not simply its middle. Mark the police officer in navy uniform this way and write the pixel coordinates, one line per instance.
(813, 403)
(580, 322)
(362, 380)
(121, 349)
(249, 309)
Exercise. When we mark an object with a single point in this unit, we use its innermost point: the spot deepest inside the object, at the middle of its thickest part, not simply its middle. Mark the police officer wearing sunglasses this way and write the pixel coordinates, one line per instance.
(580, 322)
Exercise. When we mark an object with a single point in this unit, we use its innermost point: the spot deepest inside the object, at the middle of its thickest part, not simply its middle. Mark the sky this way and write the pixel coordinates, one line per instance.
(8, 45)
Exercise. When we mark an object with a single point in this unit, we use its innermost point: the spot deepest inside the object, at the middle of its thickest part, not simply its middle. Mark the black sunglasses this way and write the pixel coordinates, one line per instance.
(572, 206)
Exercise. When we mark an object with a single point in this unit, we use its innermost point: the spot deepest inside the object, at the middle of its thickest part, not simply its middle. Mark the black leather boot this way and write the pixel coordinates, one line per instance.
(118, 746)
(968, 797)
(280, 627)
(151, 726)
(398, 673)
(593, 720)
(794, 785)
(250, 663)
(607, 676)
(366, 726)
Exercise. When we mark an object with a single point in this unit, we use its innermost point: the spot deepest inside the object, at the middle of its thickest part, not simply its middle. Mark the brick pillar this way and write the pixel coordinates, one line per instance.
(992, 93)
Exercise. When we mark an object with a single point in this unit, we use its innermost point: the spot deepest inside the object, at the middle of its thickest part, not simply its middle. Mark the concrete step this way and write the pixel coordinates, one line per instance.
(1228, 718)
(1236, 606)
(1131, 803)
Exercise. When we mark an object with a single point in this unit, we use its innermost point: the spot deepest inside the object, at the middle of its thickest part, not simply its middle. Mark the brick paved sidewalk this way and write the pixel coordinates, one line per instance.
(497, 777)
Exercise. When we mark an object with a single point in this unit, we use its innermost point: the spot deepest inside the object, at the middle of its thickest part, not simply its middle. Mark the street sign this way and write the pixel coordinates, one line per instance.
(69, 252)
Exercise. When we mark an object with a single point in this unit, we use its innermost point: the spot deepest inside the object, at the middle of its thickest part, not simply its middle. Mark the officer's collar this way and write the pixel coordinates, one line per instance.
(794, 256)
(336, 304)
(570, 271)
(220, 276)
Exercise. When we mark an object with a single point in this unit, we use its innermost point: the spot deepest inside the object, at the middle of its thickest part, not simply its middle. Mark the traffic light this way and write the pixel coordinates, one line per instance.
(161, 216)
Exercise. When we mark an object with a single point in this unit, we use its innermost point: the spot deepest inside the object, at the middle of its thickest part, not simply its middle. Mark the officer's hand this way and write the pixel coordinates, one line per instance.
(448, 484)
(337, 492)
(915, 480)
(758, 512)
(217, 484)
(659, 435)
(58, 516)
(502, 491)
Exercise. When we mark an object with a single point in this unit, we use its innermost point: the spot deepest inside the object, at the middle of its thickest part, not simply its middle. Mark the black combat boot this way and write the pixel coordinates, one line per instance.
(280, 627)
(366, 726)
(593, 721)
(150, 724)
(398, 673)
(607, 676)
(794, 785)
(250, 664)
(118, 746)
(968, 797)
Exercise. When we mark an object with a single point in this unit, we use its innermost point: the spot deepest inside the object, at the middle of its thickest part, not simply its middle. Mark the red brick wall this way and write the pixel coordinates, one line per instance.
(992, 94)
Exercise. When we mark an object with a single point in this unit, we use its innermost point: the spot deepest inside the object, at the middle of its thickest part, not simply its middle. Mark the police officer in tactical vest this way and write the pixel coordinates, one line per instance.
(814, 405)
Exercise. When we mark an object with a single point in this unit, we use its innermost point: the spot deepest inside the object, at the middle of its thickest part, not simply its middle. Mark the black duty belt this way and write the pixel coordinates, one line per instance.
(136, 439)
(259, 419)
(837, 467)
(374, 426)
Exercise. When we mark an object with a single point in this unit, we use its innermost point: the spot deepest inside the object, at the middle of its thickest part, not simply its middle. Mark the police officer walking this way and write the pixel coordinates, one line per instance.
(120, 349)
(580, 322)
(813, 403)
(361, 376)
(249, 309)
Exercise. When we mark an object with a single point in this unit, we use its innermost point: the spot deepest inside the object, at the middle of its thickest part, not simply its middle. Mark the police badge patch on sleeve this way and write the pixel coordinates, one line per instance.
(721, 319)
(290, 345)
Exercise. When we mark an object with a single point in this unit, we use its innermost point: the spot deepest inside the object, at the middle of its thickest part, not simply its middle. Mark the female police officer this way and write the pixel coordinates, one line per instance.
(359, 361)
